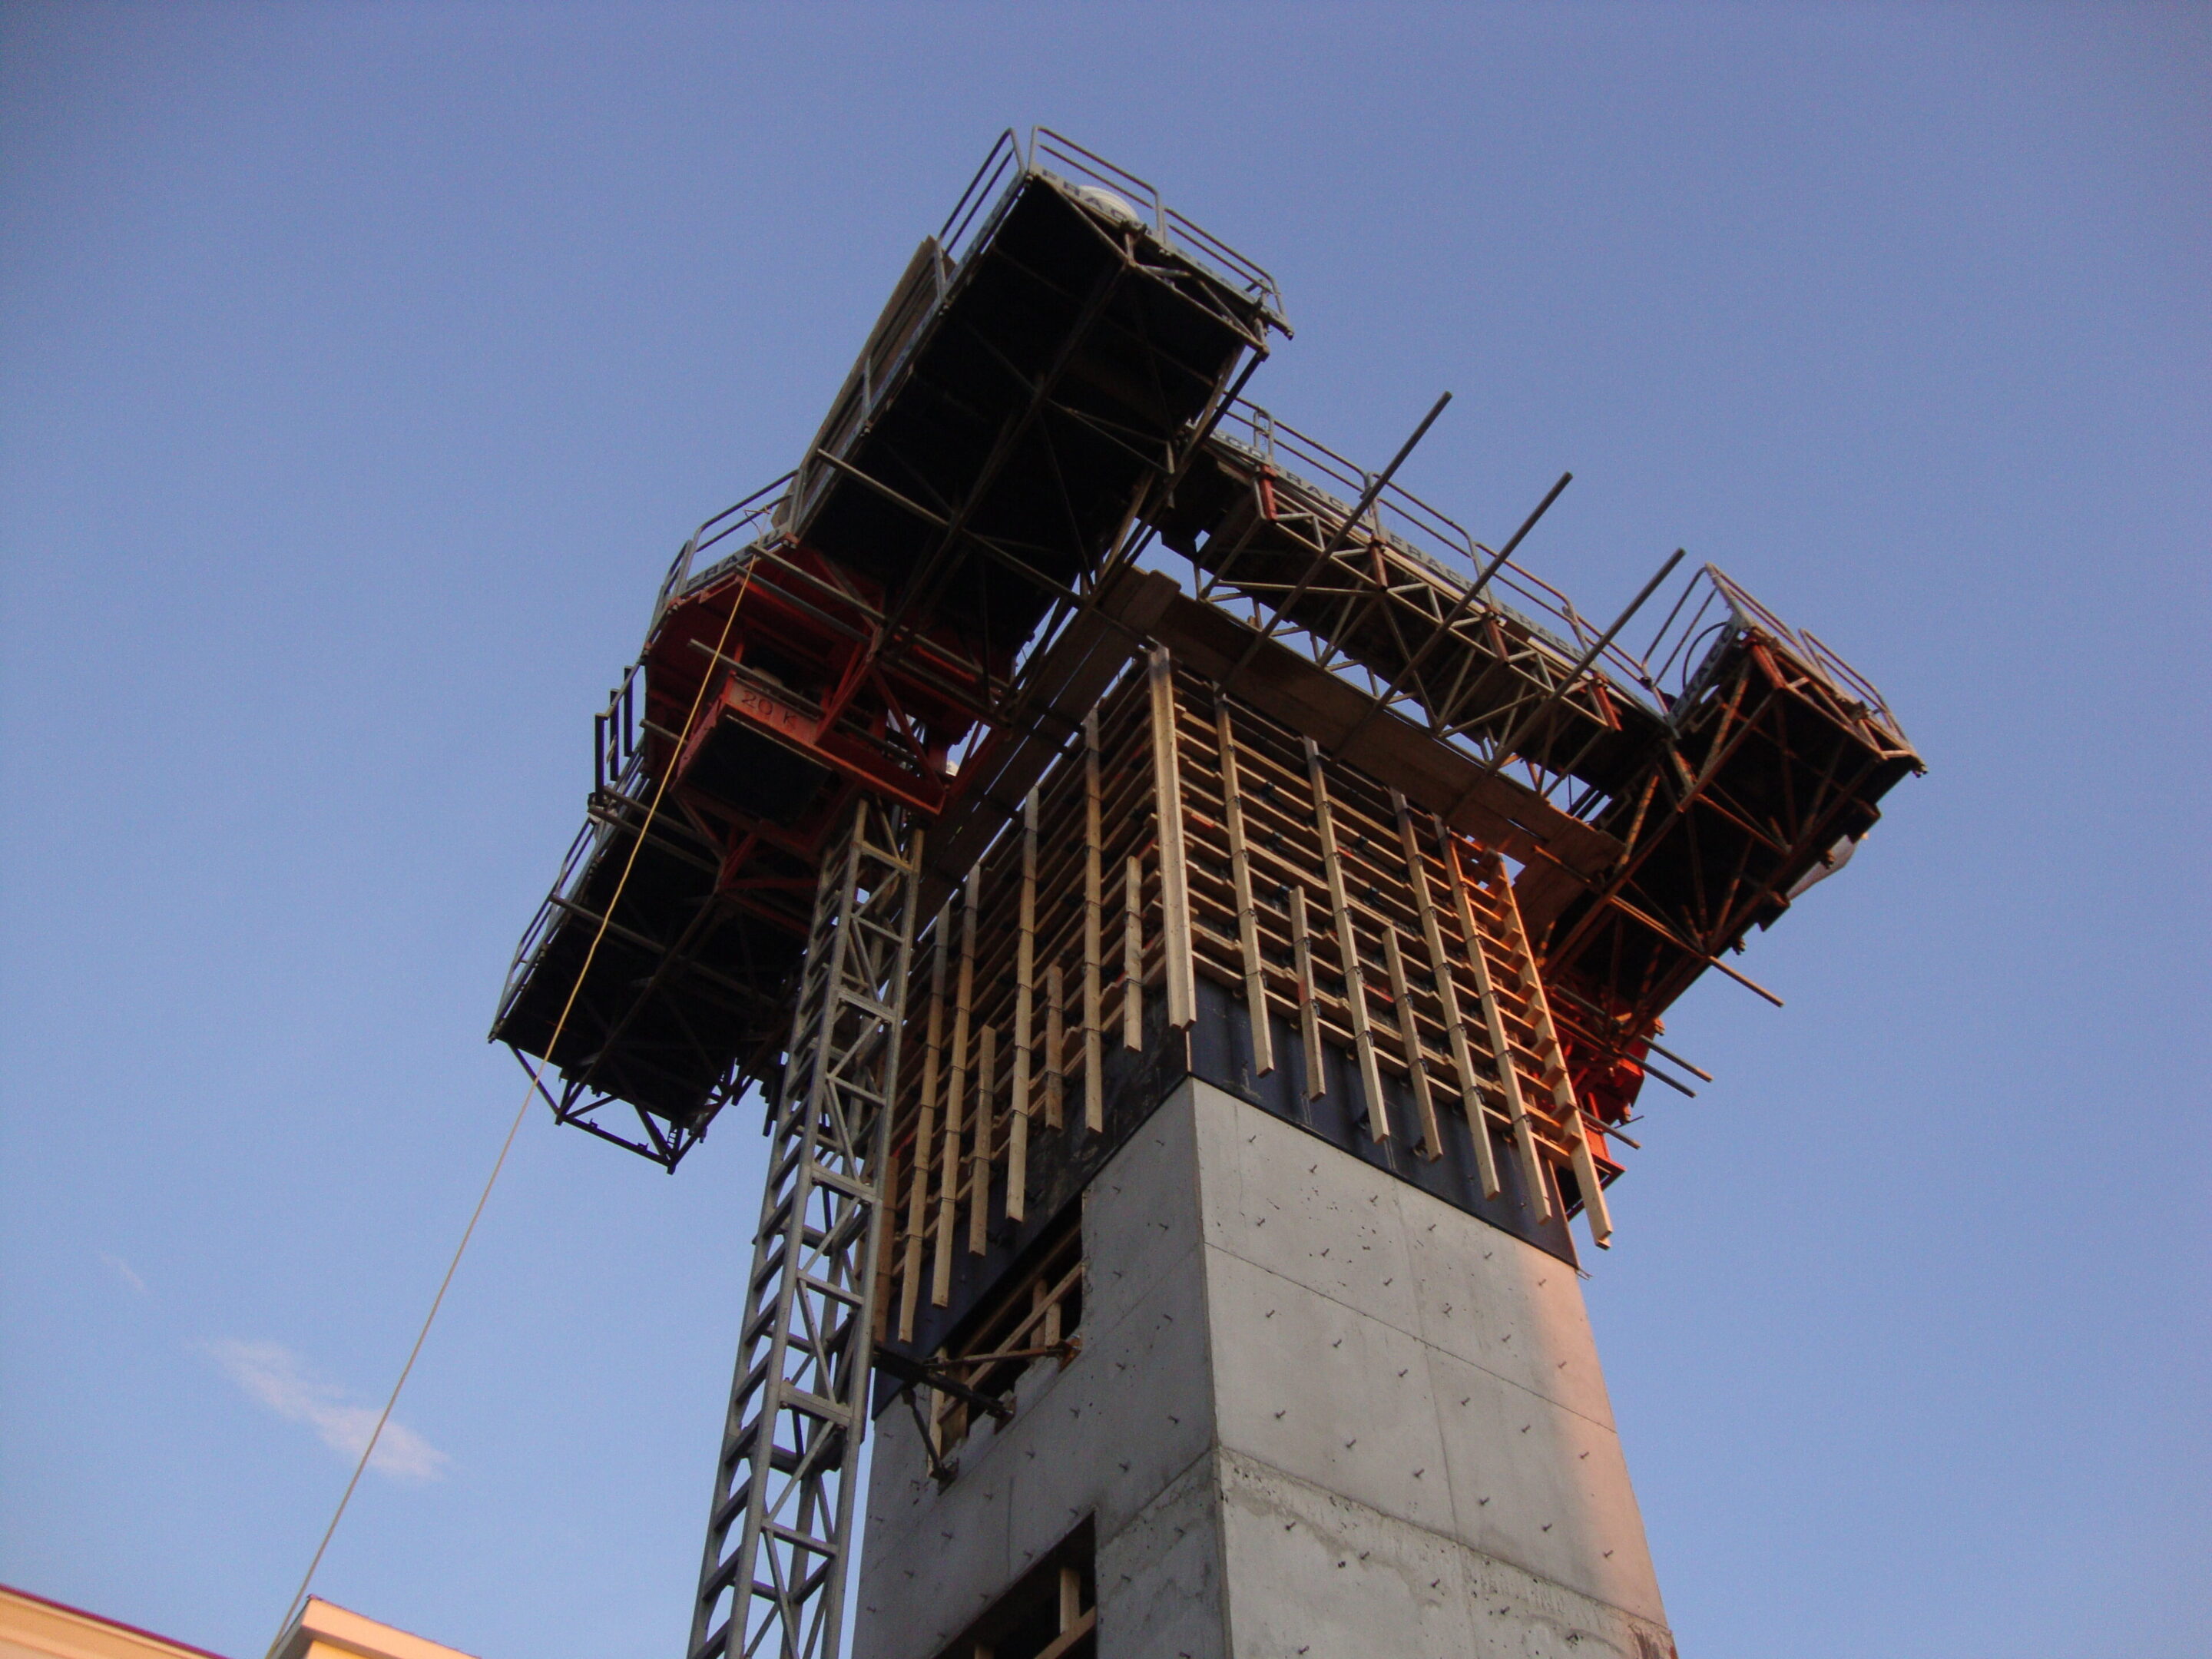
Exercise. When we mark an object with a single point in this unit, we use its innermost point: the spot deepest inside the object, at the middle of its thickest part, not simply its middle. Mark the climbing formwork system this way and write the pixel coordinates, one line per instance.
(1064, 725)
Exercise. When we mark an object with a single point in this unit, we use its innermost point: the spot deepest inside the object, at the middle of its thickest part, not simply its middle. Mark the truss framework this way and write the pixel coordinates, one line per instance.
(781, 1529)
(1724, 767)
(1506, 667)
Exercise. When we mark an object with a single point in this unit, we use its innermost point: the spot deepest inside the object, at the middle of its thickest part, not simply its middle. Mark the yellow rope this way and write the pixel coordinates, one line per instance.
(299, 1597)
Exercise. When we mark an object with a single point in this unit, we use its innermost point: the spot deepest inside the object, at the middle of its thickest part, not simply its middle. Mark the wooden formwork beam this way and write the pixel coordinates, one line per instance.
(1025, 958)
(1240, 876)
(1018, 1162)
(1564, 1103)
(1094, 904)
(1309, 1002)
(1348, 949)
(956, 1099)
(1440, 971)
(1508, 1080)
(1017, 1125)
(1409, 1034)
(925, 1133)
(979, 1159)
(1056, 1047)
(1175, 886)
(1133, 954)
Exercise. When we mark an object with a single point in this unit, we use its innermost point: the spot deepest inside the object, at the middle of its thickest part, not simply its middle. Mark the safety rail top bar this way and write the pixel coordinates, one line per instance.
(1844, 680)
(1674, 649)
(573, 868)
(982, 201)
(754, 509)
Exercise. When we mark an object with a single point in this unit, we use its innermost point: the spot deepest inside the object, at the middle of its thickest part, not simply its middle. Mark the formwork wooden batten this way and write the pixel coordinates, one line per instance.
(1309, 892)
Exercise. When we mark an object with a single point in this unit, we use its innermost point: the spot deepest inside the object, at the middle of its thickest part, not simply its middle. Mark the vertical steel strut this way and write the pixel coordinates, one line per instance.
(779, 1536)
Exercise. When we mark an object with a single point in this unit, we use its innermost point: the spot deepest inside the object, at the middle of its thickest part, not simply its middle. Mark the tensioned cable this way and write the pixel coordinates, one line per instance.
(606, 917)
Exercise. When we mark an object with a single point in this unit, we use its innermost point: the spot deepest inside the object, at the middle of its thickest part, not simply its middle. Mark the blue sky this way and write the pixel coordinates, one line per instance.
(361, 367)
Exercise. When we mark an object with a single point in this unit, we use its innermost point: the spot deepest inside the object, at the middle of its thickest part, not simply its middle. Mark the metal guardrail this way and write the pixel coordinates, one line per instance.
(1711, 608)
(1432, 538)
(575, 867)
(755, 513)
(937, 271)
(1712, 612)
(1056, 156)
(618, 753)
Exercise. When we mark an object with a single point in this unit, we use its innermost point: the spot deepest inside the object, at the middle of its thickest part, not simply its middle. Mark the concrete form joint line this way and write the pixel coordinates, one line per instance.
(1420, 1337)
(1098, 1335)
(1455, 1545)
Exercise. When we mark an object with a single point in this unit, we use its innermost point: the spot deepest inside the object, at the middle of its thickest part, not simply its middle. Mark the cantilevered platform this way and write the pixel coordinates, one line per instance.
(1660, 801)
(946, 574)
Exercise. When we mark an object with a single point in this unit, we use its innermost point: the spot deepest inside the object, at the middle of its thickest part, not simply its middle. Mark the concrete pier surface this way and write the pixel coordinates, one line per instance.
(1317, 1412)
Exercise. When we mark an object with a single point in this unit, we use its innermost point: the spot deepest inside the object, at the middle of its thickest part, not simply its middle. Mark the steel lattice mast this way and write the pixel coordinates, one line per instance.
(780, 1531)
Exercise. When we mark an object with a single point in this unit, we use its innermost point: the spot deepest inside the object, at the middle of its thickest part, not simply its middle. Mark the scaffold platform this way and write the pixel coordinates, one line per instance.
(942, 577)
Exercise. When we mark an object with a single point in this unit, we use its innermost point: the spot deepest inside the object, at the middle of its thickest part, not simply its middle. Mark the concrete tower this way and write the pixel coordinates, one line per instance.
(1317, 1411)
(1205, 1358)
